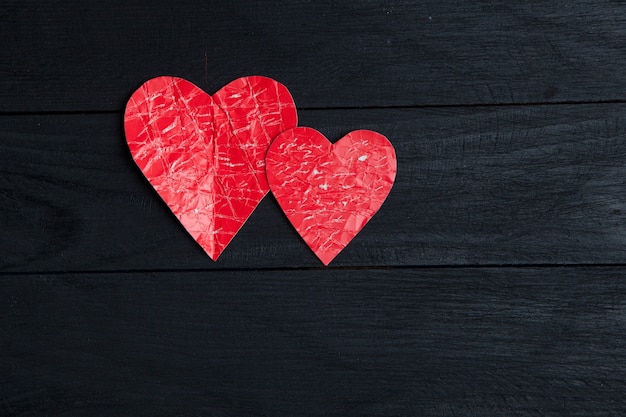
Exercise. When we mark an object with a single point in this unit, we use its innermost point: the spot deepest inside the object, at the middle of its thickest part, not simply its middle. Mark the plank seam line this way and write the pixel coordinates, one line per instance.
(331, 108)
(336, 268)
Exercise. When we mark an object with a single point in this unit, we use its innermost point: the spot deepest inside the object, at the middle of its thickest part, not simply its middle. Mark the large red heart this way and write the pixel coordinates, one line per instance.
(204, 155)
(330, 191)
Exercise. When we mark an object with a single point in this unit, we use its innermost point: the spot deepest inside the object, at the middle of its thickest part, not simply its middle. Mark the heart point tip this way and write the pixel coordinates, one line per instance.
(326, 258)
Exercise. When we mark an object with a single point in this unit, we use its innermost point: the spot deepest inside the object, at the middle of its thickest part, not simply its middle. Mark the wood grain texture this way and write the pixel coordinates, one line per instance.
(71, 56)
(508, 120)
(492, 185)
(441, 342)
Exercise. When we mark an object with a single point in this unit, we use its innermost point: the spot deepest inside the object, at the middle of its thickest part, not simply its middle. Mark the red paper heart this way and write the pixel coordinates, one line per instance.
(330, 191)
(204, 155)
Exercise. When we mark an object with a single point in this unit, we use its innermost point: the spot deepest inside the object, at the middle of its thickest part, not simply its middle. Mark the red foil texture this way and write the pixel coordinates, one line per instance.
(205, 155)
(330, 191)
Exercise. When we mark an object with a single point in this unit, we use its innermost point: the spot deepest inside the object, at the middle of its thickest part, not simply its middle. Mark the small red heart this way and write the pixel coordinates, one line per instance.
(204, 155)
(330, 191)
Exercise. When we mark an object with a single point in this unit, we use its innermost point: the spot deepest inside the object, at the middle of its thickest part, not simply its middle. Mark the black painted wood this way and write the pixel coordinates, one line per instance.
(108, 308)
(462, 342)
(76, 56)
(493, 185)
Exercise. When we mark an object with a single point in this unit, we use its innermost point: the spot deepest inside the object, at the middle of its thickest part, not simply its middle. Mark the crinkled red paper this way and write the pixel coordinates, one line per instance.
(330, 191)
(204, 155)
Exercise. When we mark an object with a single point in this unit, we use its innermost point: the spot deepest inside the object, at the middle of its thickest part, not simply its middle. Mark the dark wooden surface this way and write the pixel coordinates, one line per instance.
(491, 283)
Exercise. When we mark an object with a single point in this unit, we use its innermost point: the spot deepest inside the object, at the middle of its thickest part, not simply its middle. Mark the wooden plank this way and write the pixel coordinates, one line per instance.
(445, 342)
(494, 185)
(78, 56)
